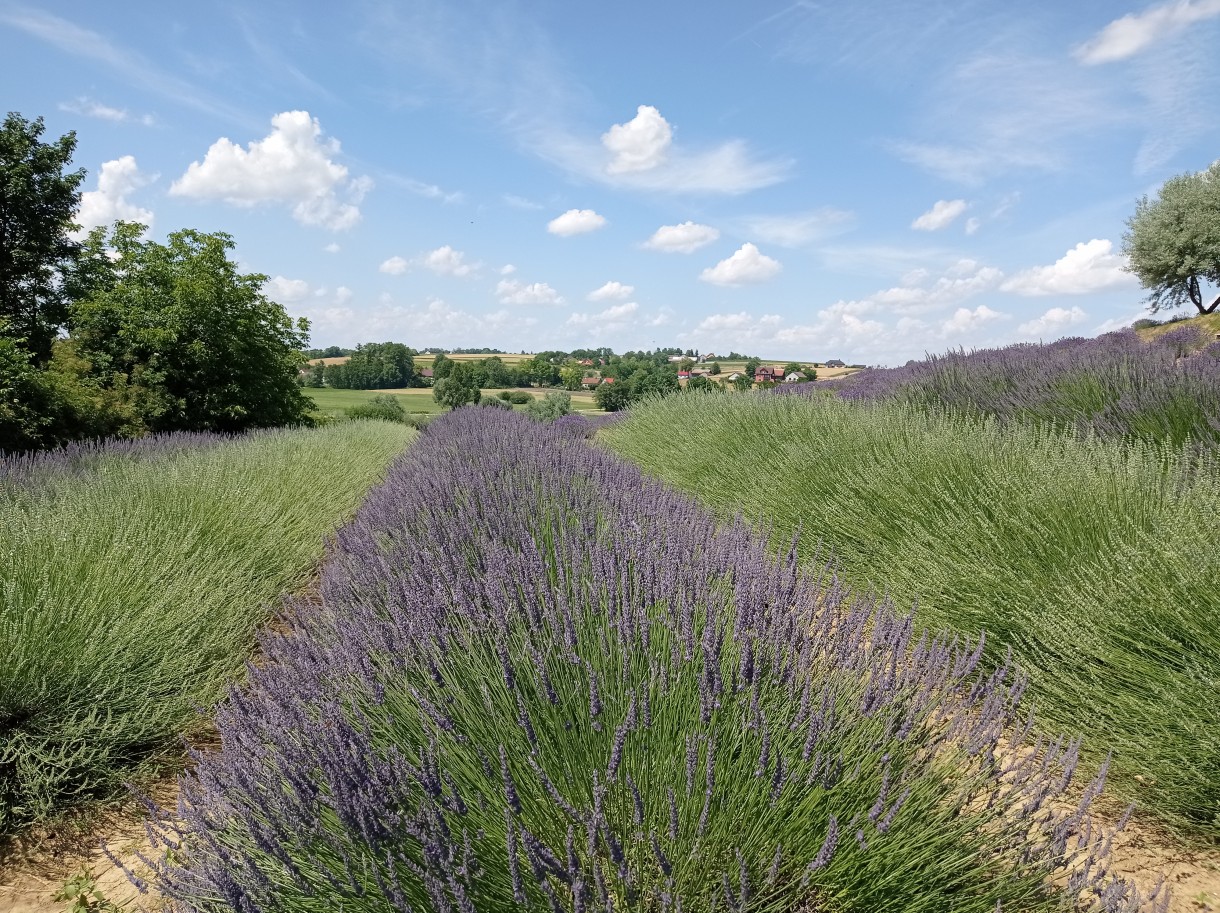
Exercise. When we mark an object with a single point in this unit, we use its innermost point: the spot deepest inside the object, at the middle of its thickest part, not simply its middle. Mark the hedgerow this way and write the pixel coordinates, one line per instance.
(536, 680)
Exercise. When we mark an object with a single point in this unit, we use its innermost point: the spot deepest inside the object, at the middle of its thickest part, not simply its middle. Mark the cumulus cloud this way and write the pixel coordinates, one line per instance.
(965, 320)
(293, 165)
(89, 107)
(941, 215)
(575, 222)
(799, 229)
(746, 265)
(1054, 322)
(612, 317)
(639, 144)
(287, 291)
(610, 291)
(507, 269)
(1088, 267)
(445, 261)
(510, 291)
(395, 266)
(1134, 32)
(117, 178)
(683, 238)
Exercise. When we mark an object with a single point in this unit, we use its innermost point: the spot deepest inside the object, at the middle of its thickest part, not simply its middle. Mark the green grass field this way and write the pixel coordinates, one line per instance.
(1094, 561)
(130, 594)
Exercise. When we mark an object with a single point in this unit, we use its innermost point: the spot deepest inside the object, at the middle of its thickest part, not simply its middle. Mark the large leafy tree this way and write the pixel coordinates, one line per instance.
(189, 342)
(375, 365)
(38, 200)
(458, 388)
(1173, 242)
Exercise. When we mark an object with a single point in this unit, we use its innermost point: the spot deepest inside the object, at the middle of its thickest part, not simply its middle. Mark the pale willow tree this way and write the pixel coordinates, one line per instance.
(1172, 242)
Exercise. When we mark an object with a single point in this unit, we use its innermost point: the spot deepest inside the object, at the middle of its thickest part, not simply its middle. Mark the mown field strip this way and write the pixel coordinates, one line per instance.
(1092, 560)
(129, 593)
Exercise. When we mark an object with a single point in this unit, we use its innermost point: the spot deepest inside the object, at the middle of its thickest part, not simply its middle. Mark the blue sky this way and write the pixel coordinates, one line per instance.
(809, 180)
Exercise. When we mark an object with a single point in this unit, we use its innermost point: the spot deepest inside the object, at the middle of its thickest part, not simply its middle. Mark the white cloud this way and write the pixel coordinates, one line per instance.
(507, 269)
(1053, 322)
(395, 266)
(746, 265)
(287, 291)
(800, 229)
(89, 107)
(575, 222)
(965, 320)
(292, 165)
(1134, 32)
(683, 238)
(510, 291)
(117, 178)
(640, 144)
(343, 294)
(941, 215)
(610, 291)
(611, 318)
(332, 248)
(1088, 267)
(973, 225)
(445, 261)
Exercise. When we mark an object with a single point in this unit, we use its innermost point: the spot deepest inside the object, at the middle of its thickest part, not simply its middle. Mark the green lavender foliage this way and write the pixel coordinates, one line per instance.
(1094, 560)
(130, 592)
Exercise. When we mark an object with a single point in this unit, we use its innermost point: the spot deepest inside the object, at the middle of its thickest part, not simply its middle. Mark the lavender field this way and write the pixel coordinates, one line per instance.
(1062, 498)
(536, 679)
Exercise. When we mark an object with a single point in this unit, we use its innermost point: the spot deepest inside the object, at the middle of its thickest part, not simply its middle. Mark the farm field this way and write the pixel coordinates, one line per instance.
(133, 578)
(334, 402)
(1080, 554)
(629, 700)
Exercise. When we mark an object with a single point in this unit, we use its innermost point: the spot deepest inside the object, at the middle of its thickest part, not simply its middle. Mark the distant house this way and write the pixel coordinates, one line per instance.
(586, 362)
(835, 363)
(589, 381)
(795, 377)
(732, 377)
(769, 374)
(684, 375)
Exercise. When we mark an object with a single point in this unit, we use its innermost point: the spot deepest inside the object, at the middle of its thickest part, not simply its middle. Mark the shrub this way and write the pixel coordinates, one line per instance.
(523, 398)
(550, 407)
(385, 407)
(494, 402)
(537, 680)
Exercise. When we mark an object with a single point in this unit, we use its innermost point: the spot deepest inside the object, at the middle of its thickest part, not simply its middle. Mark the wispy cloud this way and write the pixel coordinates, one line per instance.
(798, 229)
(1136, 32)
(89, 107)
(85, 44)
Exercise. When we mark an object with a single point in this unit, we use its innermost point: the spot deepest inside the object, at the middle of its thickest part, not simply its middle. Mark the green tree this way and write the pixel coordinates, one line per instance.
(792, 367)
(441, 366)
(744, 381)
(752, 366)
(182, 337)
(457, 389)
(715, 369)
(612, 397)
(571, 375)
(698, 382)
(1172, 242)
(375, 365)
(317, 375)
(37, 203)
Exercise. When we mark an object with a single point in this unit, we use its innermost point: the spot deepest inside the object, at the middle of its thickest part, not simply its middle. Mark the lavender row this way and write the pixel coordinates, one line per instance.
(536, 680)
(36, 468)
(1116, 385)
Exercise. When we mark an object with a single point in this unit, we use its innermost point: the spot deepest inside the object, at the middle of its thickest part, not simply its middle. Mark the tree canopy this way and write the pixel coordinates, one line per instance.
(184, 338)
(1173, 241)
(37, 203)
(458, 388)
(373, 366)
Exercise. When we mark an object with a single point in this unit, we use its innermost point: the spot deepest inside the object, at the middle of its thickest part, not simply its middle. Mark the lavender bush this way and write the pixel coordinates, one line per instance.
(1116, 385)
(537, 681)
